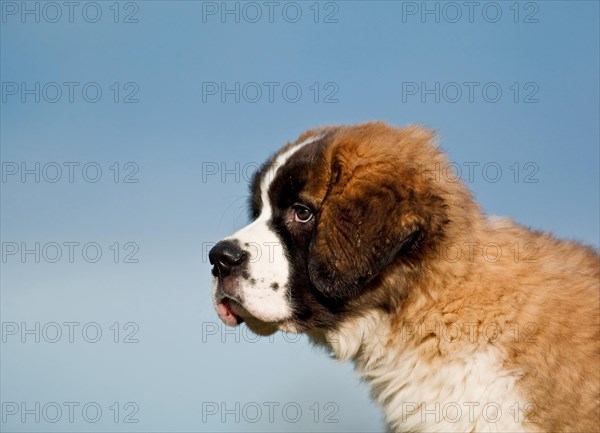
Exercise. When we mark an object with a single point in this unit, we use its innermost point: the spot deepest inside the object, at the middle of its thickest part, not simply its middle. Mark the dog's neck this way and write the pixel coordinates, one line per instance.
(367, 333)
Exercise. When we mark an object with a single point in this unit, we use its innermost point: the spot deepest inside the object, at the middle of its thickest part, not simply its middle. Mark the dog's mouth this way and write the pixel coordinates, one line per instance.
(232, 313)
(229, 311)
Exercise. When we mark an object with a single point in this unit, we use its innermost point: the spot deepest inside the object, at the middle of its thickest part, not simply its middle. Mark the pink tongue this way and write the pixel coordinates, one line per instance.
(225, 313)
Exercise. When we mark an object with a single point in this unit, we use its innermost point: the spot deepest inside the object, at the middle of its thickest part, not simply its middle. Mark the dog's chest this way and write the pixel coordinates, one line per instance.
(423, 391)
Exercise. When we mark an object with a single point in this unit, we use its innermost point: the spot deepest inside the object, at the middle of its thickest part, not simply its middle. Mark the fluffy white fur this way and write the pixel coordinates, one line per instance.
(467, 392)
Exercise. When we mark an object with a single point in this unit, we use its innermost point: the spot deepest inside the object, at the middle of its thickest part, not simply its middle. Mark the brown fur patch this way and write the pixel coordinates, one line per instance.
(376, 194)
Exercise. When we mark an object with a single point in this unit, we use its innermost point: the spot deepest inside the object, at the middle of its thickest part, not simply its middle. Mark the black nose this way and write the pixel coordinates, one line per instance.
(226, 256)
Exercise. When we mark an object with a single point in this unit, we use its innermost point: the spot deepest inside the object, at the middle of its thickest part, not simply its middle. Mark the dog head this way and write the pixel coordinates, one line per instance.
(333, 214)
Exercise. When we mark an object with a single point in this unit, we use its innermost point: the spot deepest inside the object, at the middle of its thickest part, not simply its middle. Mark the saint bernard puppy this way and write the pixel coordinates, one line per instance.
(459, 321)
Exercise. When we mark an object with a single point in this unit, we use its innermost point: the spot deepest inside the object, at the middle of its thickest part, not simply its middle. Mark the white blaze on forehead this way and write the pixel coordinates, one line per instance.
(271, 172)
(264, 293)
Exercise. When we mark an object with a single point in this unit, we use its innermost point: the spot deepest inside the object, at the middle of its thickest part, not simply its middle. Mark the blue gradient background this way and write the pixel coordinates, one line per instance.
(177, 210)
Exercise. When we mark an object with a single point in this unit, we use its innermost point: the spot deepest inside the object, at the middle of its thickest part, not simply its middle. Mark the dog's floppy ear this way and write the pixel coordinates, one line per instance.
(368, 217)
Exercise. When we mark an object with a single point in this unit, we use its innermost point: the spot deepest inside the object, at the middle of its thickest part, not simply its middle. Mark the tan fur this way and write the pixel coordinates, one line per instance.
(539, 309)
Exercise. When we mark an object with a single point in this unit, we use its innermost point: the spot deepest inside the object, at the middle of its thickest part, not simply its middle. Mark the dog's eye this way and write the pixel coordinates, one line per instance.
(302, 214)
